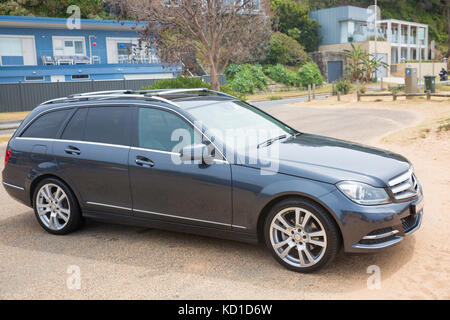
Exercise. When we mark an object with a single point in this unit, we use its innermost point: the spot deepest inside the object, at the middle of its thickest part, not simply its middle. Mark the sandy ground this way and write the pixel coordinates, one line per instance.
(127, 262)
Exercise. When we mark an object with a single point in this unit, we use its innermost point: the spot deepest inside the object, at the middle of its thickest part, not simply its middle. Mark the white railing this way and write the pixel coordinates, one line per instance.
(138, 59)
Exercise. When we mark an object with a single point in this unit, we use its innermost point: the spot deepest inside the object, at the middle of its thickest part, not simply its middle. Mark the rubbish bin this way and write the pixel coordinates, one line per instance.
(430, 83)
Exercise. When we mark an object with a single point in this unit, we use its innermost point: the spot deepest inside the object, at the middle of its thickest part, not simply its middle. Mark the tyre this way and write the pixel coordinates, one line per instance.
(301, 235)
(56, 207)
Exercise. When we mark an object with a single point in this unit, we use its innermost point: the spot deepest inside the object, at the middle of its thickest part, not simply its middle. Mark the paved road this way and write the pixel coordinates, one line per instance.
(132, 262)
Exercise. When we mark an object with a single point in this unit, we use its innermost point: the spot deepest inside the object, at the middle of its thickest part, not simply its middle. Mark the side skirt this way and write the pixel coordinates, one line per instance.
(171, 226)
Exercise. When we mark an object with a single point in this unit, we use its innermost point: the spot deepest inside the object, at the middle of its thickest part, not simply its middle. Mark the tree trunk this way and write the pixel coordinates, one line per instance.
(214, 79)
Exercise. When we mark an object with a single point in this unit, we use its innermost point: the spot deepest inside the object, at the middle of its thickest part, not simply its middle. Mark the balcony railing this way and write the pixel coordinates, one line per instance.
(138, 59)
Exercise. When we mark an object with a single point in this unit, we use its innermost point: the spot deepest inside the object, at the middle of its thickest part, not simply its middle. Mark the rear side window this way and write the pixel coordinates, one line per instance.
(75, 128)
(108, 125)
(47, 125)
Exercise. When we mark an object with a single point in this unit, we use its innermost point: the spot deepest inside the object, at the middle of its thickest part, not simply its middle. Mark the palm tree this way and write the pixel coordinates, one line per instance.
(370, 65)
(356, 64)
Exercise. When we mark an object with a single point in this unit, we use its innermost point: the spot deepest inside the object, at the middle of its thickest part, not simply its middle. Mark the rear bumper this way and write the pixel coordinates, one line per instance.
(17, 192)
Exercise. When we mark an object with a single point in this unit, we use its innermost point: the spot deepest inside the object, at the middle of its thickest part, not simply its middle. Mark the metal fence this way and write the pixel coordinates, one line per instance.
(26, 96)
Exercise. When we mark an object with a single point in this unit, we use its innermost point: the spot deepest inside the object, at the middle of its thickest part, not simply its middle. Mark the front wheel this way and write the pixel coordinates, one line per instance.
(56, 207)
(301, 235)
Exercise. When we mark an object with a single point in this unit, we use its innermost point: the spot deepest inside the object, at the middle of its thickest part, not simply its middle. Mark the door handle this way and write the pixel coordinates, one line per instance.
(144, 162)
(72, 150)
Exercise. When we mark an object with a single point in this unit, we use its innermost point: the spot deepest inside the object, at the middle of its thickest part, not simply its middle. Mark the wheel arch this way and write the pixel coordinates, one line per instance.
(41, 177)
(266, 209)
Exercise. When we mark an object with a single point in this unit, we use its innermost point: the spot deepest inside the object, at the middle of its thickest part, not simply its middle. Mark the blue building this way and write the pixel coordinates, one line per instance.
(38, 49)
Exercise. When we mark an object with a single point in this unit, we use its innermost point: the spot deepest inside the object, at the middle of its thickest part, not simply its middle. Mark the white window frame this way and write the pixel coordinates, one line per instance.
(13, 36)
(68, 38)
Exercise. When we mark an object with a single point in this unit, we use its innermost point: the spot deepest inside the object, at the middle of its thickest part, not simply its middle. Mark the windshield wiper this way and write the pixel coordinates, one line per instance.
(270, 141)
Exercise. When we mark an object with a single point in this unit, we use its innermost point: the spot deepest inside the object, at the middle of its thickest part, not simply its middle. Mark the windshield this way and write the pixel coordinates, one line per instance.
(237, 120)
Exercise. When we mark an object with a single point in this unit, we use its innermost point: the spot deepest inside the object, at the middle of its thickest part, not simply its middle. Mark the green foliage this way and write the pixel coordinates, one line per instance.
(91, 9)
(292, 18)
(285, 50)
(362, 65)
(178, 83)
(280, 74)
(310, 74)
(246, 78)
(226, 88)
(190, 83)
(342, 85)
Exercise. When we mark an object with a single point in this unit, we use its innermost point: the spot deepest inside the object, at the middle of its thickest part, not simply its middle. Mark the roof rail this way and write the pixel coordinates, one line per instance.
(143, 94)
(175, 91)
(88, 97)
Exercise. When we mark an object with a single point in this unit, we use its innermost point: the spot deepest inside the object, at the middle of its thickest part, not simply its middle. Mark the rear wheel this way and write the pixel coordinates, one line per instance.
(56, 207)
(301, 235)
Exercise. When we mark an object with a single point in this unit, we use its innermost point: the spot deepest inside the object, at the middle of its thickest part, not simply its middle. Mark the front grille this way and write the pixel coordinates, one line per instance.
(404, 186)
(408, 223)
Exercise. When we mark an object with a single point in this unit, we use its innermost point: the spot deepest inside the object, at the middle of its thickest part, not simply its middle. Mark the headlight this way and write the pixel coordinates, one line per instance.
(363, 193)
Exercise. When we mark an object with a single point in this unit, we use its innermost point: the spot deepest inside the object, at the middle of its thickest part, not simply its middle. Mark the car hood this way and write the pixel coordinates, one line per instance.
(329, 160)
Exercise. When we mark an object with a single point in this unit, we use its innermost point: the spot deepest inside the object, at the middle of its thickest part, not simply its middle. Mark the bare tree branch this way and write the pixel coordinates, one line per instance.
(215, 31)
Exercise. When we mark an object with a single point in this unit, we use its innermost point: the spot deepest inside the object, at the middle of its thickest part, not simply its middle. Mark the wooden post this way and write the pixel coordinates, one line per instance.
(332, 88)
(428, 95)
(358, 94)
(394, 96)
(314, 91)
(309, 92)
(339, 95)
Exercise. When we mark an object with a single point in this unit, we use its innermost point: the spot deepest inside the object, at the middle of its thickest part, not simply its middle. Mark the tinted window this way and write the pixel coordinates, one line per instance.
(108, 125)
(158, 130)
(47, 125)
(75, 128)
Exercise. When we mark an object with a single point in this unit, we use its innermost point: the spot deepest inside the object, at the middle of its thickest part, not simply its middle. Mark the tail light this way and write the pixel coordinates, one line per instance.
(7, 155)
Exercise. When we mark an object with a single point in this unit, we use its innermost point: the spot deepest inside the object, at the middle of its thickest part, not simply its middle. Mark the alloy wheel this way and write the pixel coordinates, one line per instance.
(298, 237)
(53, 207)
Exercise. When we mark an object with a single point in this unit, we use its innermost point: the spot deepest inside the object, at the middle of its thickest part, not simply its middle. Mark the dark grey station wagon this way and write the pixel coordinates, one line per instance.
(203, 162)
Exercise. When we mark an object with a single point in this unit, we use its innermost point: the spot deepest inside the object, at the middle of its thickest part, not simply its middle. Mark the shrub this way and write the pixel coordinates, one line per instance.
(189, 83)
(246, 78)
(227, 89)
(286, 50)
(279, 73)
(342, 85)
(178, 83)
(310, 74)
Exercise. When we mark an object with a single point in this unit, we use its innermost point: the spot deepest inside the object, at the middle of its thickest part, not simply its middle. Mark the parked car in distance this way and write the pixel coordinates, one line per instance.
(170, 159)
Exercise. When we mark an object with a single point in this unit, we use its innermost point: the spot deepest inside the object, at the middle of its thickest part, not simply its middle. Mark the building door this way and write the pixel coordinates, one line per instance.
(382, 71)
(335, 70)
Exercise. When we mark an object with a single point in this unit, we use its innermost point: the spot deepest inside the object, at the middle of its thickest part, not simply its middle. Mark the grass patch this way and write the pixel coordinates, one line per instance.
(444, 125)
(11, 116)
(261, 96)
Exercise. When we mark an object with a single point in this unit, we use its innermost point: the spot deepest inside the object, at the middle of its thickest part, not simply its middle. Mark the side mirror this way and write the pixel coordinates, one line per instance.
(196, 152)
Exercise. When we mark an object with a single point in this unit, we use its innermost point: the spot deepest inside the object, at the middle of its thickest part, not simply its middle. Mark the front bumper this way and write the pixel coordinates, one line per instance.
(370, 228)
